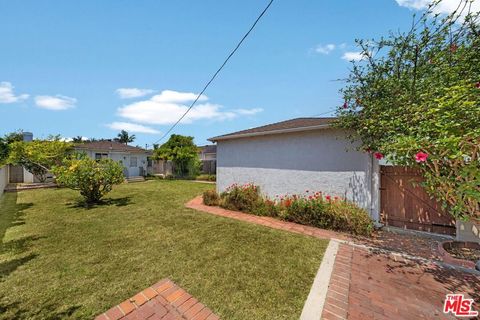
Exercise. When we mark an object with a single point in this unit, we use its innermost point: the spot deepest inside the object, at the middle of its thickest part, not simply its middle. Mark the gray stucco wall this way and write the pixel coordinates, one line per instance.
(291, 163)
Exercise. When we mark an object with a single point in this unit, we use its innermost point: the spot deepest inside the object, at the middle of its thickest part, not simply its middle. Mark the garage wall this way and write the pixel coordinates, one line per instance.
(321, 160)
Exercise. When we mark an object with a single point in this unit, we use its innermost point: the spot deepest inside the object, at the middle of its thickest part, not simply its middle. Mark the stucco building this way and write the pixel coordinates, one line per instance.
(297, 155)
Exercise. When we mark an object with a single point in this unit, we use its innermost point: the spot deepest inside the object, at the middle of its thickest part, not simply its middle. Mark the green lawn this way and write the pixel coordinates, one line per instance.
(59, 260)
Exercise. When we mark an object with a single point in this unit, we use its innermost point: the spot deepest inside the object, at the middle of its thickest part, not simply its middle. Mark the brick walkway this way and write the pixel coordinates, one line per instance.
(162, 301)
(369, 285)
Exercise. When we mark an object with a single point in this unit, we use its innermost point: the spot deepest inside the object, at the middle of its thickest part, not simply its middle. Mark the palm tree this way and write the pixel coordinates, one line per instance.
(124, 137)
(77, 139)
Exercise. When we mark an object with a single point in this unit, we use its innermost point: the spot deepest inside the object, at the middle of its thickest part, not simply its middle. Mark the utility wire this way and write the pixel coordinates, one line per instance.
(217, 72)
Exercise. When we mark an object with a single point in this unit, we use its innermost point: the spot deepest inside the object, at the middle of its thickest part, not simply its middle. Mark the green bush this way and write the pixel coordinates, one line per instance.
(244, 198)
(207, 177)
(92, 178)
(327, 213)
(211, 198)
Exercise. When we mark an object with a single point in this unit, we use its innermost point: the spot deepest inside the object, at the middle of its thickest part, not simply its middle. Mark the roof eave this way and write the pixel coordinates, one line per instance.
(271, 132)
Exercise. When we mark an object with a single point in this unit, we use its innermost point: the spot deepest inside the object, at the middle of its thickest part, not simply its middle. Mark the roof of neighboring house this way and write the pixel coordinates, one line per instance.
(293, 125)
(109, 145)
(209, 148)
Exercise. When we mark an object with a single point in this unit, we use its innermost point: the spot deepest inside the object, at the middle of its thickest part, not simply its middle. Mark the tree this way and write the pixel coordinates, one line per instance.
(183, 152)
(38, 156)
(77, 139)
(124, 137)
(5, 143)
(93, 178)
(415, 99)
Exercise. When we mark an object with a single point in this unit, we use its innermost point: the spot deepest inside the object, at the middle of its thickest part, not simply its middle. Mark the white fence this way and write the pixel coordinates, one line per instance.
(3, 178)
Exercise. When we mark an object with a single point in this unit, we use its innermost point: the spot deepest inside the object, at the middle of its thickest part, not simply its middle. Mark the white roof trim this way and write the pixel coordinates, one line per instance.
(265, 133)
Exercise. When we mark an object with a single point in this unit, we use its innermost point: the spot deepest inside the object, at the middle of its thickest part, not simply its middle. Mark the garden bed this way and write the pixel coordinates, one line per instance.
(312, 209)
(465, 254)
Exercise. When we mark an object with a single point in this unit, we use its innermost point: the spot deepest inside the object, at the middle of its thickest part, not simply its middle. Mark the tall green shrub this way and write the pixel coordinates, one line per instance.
(93, 178)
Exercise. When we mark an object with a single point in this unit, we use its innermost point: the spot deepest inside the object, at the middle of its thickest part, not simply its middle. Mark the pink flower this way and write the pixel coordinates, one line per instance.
(421, 157)
(378, 155)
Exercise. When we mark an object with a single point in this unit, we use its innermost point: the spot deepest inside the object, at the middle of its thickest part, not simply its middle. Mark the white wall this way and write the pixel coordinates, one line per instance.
(4, 178)
(124, 158)
(321, 160)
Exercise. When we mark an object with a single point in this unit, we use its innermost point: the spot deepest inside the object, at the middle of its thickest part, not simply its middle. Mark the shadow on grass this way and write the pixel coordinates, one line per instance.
(13, 214)
(117, 202)
(14, 311)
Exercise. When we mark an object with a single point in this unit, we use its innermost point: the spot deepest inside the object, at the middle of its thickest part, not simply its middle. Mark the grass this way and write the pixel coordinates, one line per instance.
(61, 260)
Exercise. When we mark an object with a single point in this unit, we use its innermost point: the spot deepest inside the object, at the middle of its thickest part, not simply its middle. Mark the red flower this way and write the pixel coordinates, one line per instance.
(336, 198)
(345, 105)
(328, 198)
(421, 157)
(378, 155)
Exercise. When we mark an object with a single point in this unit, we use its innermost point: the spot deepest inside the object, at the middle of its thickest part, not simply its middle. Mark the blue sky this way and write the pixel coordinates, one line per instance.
(90, 68)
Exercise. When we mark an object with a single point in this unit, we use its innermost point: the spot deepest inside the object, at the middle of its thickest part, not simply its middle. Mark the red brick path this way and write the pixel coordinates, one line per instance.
(197, 204)
(162, 301)
(369, 285)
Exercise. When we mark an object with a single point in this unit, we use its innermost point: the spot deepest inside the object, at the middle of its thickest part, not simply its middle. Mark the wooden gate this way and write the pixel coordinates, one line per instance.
(405, 204)
(16, 174)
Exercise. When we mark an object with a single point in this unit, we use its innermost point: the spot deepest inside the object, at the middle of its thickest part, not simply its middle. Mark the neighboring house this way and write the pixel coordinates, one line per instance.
(208, 156)
(297, 155)
(133, 159)
(207, 152)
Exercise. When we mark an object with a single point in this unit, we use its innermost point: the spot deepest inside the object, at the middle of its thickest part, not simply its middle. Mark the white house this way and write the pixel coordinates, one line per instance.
(297, 155)
(133, 159)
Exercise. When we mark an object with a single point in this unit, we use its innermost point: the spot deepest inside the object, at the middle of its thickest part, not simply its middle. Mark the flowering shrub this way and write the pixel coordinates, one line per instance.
(211, 198)
(244, 198)
(325, 211)
(414, 100)
(314, 209)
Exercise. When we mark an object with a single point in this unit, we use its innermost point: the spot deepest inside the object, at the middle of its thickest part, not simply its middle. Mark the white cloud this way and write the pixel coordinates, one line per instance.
(445, 6)
(128, 93)
(55, 103)
(132, 127)
(248, 112)
(325, 49)
(69, 139)
(168, 106)
(353, 56)
(7, 95)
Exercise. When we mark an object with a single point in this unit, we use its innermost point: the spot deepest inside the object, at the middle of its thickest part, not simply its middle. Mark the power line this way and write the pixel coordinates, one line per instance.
(323, 113)
(218, 71)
